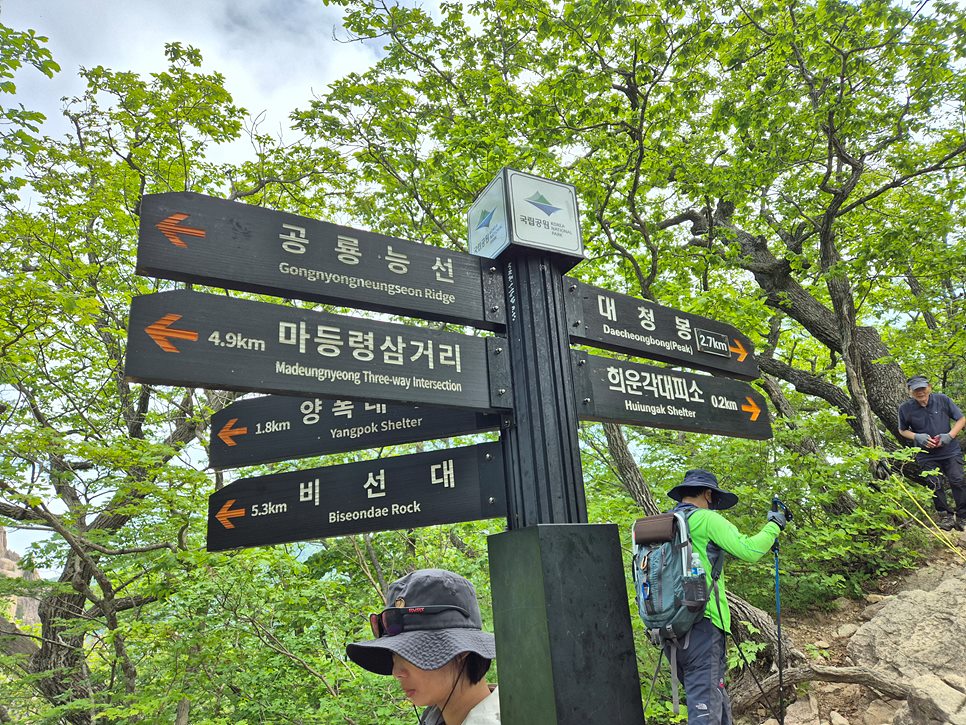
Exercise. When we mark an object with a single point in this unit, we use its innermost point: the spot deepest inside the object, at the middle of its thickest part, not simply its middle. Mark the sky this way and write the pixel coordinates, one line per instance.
(275, 55)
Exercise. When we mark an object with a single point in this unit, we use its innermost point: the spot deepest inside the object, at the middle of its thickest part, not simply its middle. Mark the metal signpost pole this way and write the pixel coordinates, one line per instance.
(563, 631)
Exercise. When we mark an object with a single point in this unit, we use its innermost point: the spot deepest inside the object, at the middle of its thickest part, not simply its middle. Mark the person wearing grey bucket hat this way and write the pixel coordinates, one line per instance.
(701, 662)
(431, 640)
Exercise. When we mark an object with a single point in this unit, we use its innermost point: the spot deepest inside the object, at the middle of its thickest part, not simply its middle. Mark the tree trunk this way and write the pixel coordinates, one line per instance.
(181, 717)
(745, 698)
(628, 471)
(61, 657)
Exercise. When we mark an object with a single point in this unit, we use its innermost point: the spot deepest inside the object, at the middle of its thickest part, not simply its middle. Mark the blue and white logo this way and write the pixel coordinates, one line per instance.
(485, 218)
(542, 203)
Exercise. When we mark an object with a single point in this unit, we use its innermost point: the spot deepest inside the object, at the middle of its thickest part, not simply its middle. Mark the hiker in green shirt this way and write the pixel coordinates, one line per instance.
(702, 663)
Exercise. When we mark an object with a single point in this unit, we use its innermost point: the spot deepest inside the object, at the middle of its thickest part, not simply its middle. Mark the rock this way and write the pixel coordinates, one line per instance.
(870, 611)
(839, 692)
(925, 579)
(836, 718)
(875, 598)
(916, 632)
(822, 644)
(879, 712)
(934, 701)
(846, 630)
(803, 711)
(24, 609)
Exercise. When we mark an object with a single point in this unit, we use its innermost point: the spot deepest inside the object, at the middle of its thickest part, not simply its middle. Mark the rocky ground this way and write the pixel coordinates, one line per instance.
(900, 629)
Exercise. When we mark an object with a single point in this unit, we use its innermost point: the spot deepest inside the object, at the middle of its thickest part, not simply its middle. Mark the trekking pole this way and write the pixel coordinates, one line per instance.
(775, 503)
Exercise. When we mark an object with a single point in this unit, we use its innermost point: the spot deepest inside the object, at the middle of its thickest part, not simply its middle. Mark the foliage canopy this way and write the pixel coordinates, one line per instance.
(793, 168)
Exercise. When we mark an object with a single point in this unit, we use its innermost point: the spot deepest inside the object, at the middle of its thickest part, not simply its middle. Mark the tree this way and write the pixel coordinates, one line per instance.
(792, 139)
(143, 624)
(101, 464)
(793, 168)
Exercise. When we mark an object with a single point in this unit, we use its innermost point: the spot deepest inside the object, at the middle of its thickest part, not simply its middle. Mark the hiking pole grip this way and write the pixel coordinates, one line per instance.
(775, 503)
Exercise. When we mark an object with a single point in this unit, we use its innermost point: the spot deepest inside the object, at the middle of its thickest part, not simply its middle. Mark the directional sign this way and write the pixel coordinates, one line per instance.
(280, 427)
(621, 323)
(196, 238)
(424, 489)
(192, 339)
(618, 391)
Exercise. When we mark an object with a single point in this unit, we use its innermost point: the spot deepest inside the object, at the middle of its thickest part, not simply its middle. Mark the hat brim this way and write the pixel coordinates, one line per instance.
(425, 648)
(918, 386)
(722, 499)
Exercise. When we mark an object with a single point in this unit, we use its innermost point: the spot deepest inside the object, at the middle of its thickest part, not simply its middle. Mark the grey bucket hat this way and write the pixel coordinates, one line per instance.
(429, 641)
(698, 477)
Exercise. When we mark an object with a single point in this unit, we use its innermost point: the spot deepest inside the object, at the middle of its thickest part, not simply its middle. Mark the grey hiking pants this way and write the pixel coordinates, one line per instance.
(701, 668)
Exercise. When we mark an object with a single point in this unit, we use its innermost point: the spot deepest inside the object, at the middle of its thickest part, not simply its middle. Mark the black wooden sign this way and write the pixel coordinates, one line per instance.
(424, 489)
(601, 318)
(280, 427)
(196, 238)
(193, 339)
(617, 391)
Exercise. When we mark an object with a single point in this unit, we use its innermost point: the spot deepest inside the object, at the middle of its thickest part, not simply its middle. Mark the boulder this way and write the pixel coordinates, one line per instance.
(916, 632)
(24, 609)
(934, 701)
(879, 712)
(846, 630)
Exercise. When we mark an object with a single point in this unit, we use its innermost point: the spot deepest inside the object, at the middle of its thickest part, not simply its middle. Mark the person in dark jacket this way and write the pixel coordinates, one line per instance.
(932, 421)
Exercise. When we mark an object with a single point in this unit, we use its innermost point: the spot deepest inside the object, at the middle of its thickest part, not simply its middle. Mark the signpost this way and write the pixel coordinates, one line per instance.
(281, 427)
(196, 238)
(619, 391)
(194, 339)
(601, 318)
(424, 489)
(530, 227)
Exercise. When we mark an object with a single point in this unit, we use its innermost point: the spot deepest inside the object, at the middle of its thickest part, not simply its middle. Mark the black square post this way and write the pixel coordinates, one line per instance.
(564, 642)
(563, 637)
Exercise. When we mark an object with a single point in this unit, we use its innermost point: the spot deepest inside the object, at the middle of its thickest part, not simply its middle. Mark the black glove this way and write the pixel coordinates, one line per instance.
(778, 517)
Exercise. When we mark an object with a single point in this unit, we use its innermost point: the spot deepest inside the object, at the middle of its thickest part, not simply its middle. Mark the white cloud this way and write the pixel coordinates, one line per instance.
(274, 54)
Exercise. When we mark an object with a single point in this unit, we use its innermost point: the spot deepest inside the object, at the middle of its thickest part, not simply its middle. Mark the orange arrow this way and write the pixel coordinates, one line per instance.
(227, 513)
(752, 408)
(160, 331)
(171, 228)
(227, 434)
(740, 349)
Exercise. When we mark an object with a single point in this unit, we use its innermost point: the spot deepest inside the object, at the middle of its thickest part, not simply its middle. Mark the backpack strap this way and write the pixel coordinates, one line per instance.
(673, 661)
(715, 554)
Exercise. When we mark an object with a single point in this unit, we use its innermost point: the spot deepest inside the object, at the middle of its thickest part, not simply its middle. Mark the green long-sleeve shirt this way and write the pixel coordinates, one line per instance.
(707, 525)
